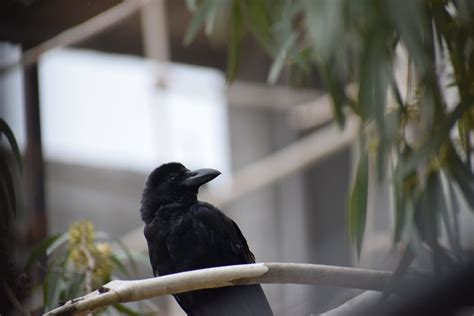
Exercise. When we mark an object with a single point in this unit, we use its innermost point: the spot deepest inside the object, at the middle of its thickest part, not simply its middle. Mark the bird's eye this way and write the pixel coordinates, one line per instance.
(172, 178)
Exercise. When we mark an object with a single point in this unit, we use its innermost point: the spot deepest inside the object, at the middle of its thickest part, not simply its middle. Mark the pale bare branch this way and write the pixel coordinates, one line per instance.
(271, 273)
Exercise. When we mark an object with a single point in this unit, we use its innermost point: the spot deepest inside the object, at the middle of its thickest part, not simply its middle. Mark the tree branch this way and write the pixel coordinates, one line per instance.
(271, 273)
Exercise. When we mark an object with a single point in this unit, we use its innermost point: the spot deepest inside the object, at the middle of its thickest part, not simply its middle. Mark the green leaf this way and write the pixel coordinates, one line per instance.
(374, 79)
(39, 251)
(128, 255)
(358, 202)
(191, 5)
(399, 210)
(335, 84)
(124, 310)
(61, 240)
(258, 20)
(463, 176)
(52, 287)
(449, 209)
(279, 62)
(390, 129)
(8, 187)
(198, 19)
(4, 210)
(411, 22)
(119, 265)
(427, 213)
(432, 145)
(75, 285)
(325, 26)
(236, 33)
(5, 129)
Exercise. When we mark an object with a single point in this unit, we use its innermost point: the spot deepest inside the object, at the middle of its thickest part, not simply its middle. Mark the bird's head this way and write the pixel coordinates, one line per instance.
(172, 183)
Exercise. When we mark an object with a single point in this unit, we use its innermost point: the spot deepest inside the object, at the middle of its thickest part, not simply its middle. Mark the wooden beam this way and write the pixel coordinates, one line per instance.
(266, 97)
(34, 166)
(76, 34)
(296, 157)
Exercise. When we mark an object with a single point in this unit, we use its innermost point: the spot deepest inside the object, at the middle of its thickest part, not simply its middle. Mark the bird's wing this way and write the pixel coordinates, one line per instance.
(208, 238)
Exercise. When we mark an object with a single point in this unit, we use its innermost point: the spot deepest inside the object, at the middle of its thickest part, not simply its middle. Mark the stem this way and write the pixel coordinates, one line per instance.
(89, 269)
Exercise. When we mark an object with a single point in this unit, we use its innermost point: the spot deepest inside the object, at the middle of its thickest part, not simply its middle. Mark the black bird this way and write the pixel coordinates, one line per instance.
(186, 234)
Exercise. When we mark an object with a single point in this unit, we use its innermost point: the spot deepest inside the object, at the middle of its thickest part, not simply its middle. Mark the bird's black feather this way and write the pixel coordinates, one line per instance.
(185, 234)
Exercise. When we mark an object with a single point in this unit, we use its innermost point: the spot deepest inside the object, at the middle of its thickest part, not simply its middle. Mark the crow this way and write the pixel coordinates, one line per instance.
(185, 234)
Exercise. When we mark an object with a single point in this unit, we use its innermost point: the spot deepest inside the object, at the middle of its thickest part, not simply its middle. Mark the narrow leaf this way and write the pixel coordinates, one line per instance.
(463, 176)
(39, 251)
(455, 210)
(5, 129)
(8, 186)
(279, 62)
(198, 19)
(236, 32)
(119, 265)
(128, 255)
(431, 146)
(61, 240)
(358, 202)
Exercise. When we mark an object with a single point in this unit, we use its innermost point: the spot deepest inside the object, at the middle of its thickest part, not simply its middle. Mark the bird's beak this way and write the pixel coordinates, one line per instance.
(198, 177)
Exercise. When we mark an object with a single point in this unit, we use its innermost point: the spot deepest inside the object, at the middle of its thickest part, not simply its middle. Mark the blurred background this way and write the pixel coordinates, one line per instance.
(93, 119)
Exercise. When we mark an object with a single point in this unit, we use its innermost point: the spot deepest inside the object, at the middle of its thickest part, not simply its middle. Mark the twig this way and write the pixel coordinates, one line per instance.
(89, 269)
(14, 300)
(271, 273)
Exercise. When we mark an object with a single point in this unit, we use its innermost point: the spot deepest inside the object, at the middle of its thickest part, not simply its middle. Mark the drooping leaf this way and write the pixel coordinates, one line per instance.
(61, 240)
(454, 212)
(449, 210)
(335, 84)
(374, 79)
(426, 212)
(5, 129)
(358, 202)
(128, 255)
(279, 62)
(75, 284)
(399, 211)
(198, 19)
(236, 33)
(39, 251)
(411, 22)
(8, 187)
(119, 265)
(52, 286)
(258, 20)
(191, 5)
(436, 139)
(4, 209)
(463, 176)
(325, 25)
(391, 124)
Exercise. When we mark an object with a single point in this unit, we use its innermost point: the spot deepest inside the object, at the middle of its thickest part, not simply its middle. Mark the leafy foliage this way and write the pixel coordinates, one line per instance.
(418, 124)
(78, 262)
(7, 189)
